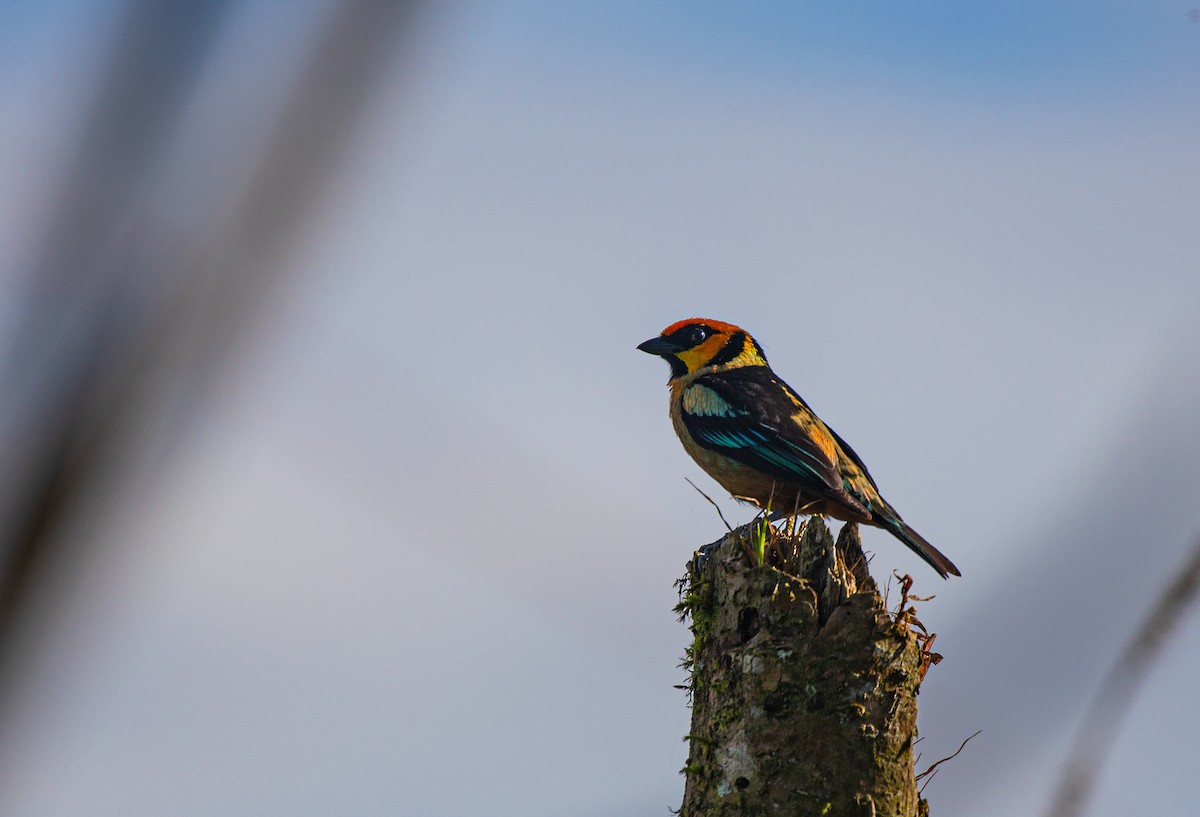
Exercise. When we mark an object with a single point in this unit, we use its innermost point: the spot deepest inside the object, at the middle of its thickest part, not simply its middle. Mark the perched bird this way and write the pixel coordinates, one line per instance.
(753, 434)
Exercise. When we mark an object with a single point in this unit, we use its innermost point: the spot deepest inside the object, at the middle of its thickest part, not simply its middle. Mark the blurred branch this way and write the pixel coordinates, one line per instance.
(71, 331)
(1117, 693)
(86, 364)
(301, 157)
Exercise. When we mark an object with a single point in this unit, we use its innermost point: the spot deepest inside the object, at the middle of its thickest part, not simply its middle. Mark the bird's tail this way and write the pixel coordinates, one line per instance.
(917, 543)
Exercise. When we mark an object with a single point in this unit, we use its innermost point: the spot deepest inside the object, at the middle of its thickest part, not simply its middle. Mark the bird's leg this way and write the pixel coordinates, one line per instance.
(793, 516)
(806, 509)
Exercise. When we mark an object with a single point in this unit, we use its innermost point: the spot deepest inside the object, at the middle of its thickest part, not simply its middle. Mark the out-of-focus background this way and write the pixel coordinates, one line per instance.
(331, 480)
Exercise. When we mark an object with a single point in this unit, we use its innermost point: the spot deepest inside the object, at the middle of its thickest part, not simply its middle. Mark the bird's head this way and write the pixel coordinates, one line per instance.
(701, 345)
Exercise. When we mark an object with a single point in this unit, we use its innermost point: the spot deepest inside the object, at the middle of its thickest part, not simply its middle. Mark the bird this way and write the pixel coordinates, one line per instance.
(753, 434)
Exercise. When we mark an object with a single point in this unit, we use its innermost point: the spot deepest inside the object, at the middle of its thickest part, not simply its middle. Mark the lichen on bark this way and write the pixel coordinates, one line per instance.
(803, 685)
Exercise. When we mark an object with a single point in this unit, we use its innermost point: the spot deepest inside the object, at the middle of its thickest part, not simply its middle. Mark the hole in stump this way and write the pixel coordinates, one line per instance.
(742, 783)
(747, 623)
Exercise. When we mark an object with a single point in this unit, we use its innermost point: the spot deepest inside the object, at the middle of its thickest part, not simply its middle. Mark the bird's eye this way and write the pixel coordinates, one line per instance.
(697, 335)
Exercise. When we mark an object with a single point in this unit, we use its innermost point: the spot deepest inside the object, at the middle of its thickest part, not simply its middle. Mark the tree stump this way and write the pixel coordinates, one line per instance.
(803, 685)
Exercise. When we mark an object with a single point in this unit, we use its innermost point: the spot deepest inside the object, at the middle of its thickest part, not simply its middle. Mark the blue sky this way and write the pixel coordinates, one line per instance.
(1003, 51)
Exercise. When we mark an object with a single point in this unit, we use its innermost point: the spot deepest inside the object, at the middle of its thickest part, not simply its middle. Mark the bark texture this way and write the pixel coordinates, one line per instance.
(803, 685)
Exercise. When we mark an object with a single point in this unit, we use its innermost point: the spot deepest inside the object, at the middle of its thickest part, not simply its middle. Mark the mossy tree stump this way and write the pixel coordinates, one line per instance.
(803, 685)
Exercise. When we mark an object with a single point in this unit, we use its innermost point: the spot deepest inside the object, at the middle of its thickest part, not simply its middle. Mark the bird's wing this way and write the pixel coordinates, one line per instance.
(753, 417)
